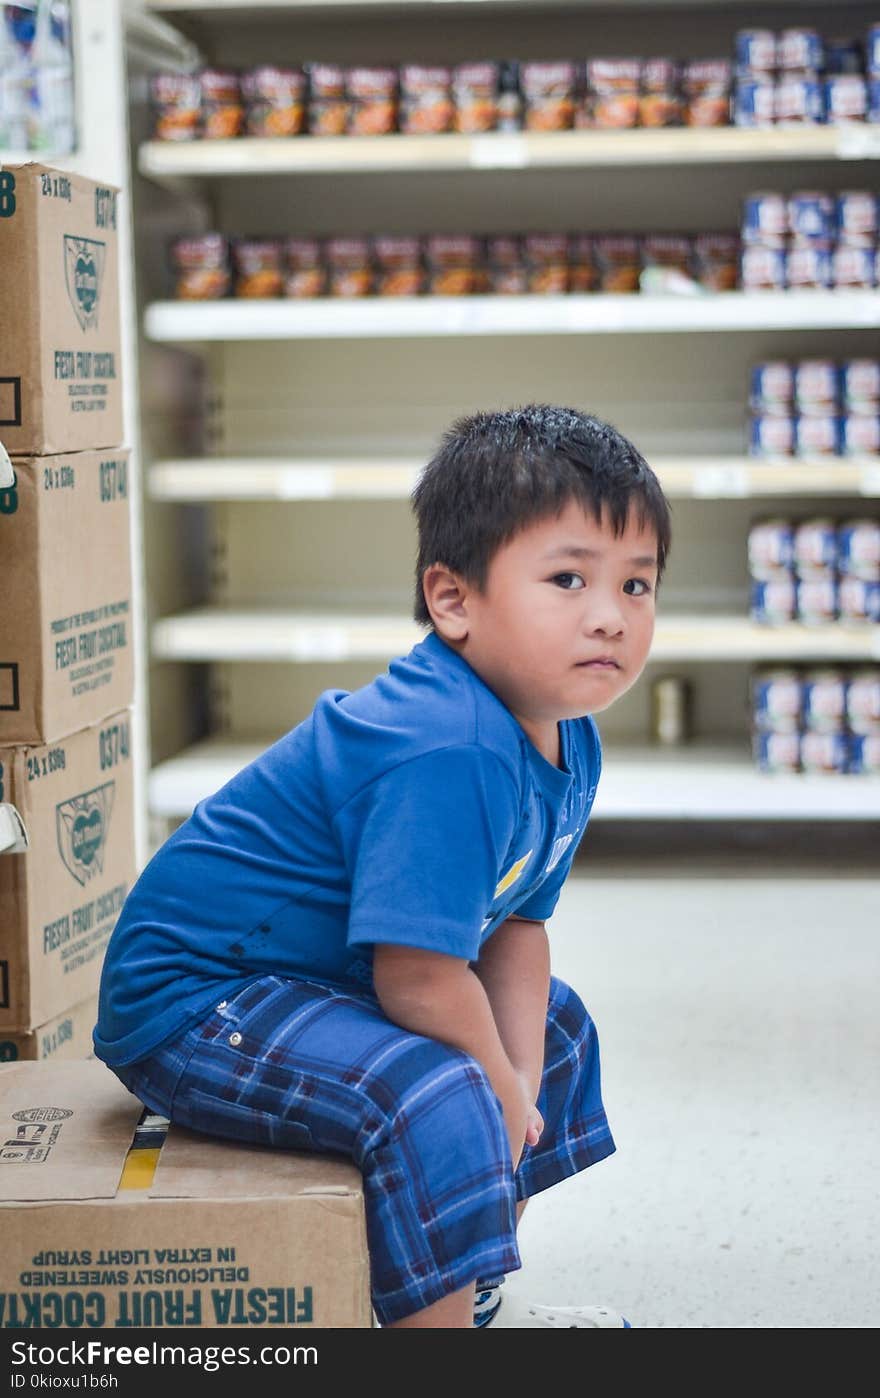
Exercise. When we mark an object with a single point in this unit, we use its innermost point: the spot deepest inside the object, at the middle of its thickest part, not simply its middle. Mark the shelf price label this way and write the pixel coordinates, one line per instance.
(720, 482)
(305, 483)
(869, 479)
(498, 152)
(858, 142)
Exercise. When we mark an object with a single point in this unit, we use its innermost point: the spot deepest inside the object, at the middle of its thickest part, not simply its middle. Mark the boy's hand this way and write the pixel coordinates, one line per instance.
(534, 1126)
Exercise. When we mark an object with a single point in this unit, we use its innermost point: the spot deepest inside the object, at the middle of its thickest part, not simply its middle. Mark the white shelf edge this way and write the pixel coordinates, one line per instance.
(438, 316)
(703, 781)
(322, 155)
(287, 635)
(708, 478)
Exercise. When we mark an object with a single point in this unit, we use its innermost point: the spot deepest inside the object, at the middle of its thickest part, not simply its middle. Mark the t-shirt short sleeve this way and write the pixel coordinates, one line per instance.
(424, 844)
(542, 903)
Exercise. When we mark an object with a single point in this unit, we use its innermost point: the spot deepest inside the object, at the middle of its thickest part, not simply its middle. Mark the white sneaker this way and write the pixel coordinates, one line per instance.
(516, 1314)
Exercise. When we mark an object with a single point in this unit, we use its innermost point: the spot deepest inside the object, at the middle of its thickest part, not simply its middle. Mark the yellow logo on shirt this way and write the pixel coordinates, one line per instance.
(512, 874)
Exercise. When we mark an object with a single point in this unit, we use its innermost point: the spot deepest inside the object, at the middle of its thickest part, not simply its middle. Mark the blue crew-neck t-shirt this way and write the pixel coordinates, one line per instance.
(412, 811)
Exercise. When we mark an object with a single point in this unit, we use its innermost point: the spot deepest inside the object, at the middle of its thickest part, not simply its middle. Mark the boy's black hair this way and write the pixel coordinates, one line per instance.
(496, 472)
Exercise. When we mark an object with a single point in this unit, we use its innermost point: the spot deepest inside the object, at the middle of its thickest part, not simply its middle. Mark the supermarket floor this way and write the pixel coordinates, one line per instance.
(736, 1002)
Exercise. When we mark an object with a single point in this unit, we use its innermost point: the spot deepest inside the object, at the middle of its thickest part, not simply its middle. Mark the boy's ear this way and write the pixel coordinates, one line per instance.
(446, 599)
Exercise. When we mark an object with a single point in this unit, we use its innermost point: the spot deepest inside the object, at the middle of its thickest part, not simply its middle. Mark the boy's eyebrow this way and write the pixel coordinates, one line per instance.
(647, 560)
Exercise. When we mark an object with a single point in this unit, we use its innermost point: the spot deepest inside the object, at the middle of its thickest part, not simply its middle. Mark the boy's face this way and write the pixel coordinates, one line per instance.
(565, 621)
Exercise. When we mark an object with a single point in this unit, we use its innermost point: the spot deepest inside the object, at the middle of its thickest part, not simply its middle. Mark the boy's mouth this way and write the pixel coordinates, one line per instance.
(601, 662)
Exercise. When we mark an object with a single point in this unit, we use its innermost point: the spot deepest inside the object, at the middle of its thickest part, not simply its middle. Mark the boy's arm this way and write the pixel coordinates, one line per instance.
(441, 997)
(514, 970)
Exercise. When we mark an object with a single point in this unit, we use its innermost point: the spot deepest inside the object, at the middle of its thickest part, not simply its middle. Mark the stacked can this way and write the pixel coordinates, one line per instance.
(815, 571)
(797, 78)
(814, 408)
(809, 240)
(820, 720)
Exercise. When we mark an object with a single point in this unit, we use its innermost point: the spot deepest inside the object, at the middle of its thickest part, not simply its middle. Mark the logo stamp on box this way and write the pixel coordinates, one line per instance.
(81, 826)
(83, 274)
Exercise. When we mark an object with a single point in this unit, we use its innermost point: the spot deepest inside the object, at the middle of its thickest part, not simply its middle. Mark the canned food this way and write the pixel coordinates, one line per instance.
(612, 95)
(583, 274)
(856, 267)
(399, 267)
(807, 268)
(258, 267)
(275, 101)
(858, 548)
(860, 384)
(222, 105)
(507, 271)
(825, 753)
(177, 101)
(864, 754)
(548, 91)
(817, 600)
(306, 274)
(799, 99)
(618, 263)
(546, 261)
(812, 216)
(859, 600)
(799, 49)
(777, 700)
(857, 220)
(660, 99)
(455, 264)
(754, 101)
(777, 752)
(846, 97)
(671, 707)
(773, 601)
(756, 51)
(816, 385)
(771, 549)
(860, 434)
(716, 260)
(475, 91)
(771, 435)
(328, 105)
(765, 219)
(863, 701)
(816, 435)
(426, 104)
(762, 268)
(372, 95)
(824, 701)
(667, 250)
(815, 547)
(705, 85)
(349, 267)
(772, 388)
(201, 266)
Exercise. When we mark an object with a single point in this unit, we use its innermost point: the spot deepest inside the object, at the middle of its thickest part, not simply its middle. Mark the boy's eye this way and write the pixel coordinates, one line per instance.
(637, 587)
(569, 581)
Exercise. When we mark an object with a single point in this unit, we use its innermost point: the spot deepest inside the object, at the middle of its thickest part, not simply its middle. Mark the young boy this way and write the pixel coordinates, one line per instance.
(344, 948)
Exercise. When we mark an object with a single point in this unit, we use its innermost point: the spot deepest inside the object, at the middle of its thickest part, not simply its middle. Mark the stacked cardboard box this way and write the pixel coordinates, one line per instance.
(66, 647)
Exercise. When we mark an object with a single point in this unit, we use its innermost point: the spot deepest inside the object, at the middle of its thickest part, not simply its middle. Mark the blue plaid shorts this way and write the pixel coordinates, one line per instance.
(298, 1065)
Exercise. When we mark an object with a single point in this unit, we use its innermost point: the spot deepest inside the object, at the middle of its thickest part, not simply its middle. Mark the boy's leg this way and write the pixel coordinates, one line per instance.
(296, 1065)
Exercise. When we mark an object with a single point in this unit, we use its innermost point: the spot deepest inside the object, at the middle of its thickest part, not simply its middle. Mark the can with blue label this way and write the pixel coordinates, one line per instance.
(860, 385)
(754, 101)
(826, 753)
(816, 386)
(860, 434)
(858, 548)
(799, 50)
(808, 267)
(816, 600)
(765, 219)
(824, 700)
(873, 50)
(777, 752)
(771, 549)
(864, 754)
(772, 388)
(857, 217)
(801, 99)
(771, 435)
(815, 547)
(863, 700)
(756, 51)
(812, 216)
(777, 700)
(846, 97)
(859, 600)
(817, 435)
(762, 268)
(853, 267)
(774, 600)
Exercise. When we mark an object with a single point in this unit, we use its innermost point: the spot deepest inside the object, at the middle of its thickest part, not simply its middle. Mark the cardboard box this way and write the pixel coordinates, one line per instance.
(59, 900)
(67, 1036)
(66, 645)
(213, 1235)
(60, 347)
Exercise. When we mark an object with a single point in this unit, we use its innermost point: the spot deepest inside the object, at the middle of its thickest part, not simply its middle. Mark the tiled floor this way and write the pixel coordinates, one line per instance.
(738, 1011)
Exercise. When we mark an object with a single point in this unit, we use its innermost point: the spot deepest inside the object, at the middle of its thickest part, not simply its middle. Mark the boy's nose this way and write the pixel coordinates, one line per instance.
(604, 618)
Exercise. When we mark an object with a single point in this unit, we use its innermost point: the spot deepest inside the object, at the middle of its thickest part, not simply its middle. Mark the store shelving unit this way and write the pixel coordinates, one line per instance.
(328, 409)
